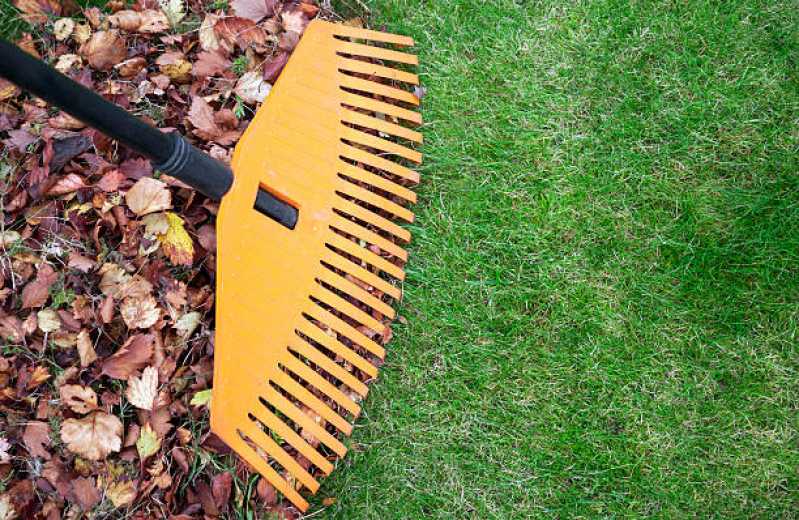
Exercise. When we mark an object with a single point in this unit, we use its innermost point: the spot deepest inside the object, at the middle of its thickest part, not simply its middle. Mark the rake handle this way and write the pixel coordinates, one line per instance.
(170, 153)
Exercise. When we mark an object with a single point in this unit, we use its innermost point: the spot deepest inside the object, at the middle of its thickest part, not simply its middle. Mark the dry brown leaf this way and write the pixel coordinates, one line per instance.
(35, 294)
(148, 195)
(67, 61)
(36, 437)
(255, 10)
(85, 349)
(208, 39)
(82, 33)
(37, 11)
(241, 32)
(86, 492)
(113, 279)
(94, 436)
(121, 494)
(210, 64)
(142, 390)
(201, 116)
(80, 399)
(132, 356)
(80, 263)
(67, 184)
(139, 312)
(131, 67)
(104, 50)
(148, 21)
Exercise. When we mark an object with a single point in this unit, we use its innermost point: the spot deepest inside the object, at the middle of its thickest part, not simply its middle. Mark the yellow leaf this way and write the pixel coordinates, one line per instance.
(121, 494)
(176, 241)
(201, 398)
(148, 443)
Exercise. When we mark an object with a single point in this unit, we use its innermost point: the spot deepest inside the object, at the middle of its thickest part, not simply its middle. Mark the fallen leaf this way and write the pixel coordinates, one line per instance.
(8, 237)
(236, 31)
(148, 196)
(130, 67)
(328, 501)
(176, 242)
(148, 443)
(80, 399)
(208, 39)
(142, 390)
(132, 356)
(174, 10)
(187, 323)
(86, 492)
(255, 10)
(94, 436)
(48, 320)
(5, 447)
(113, 279)
(148, 21)
(121, 494)
(36, 437)
(62, 28)
(293, 20)
(139, 312)
(201, 116)
(82, 33)
(104, 50)
(266, 492)
(220, 489)
(67, 184)
(210, 64)
(35, 294)
(85, 349)
(201, 398)
(175, 65)
(252, 88)
(80, 263)
(67, 61)
(37, 11)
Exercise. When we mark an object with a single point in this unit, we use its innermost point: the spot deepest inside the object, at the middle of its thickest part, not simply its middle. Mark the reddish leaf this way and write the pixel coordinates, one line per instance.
(255, 10)
(220, 488)
(132, 356)
(210, 64)
(36, 437)
(35, 294)
(86, 493)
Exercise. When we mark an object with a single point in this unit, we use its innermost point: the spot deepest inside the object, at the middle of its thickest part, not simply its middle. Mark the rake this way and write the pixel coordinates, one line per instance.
(308, 256)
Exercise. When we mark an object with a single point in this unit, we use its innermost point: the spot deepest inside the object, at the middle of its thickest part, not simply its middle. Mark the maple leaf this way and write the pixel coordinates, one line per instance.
(176, 242)
(36, 437)
(94, 436)
(132, 356)
(142, 390)
(139, 312)
(80, 399)
(36, 292)
(85, 348)
(104, 50)
(148, 442)
(148, 195)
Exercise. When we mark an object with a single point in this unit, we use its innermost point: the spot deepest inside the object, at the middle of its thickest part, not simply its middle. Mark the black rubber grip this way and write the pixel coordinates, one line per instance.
(169, 152)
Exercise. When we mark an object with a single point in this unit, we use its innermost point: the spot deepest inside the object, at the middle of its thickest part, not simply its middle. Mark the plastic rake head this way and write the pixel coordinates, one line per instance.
(302, 313)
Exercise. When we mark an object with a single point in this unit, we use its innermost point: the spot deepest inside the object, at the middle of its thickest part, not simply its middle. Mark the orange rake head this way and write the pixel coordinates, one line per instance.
(308, 259)
(301, 312)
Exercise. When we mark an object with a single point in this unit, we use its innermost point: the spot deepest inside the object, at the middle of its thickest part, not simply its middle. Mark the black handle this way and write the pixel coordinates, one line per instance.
(170, 153)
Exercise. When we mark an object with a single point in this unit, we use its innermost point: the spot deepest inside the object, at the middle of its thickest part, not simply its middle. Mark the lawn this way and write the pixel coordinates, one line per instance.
(603, 294)
(602, 301)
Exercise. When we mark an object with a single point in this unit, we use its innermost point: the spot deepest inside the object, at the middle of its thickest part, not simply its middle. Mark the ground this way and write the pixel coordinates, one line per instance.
(600, 315)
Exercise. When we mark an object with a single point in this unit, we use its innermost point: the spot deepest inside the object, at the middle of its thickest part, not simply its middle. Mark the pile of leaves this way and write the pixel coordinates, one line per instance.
(107, 272)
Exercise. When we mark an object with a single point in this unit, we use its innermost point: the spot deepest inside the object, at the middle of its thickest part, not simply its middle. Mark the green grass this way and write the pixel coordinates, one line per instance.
(603, 293)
